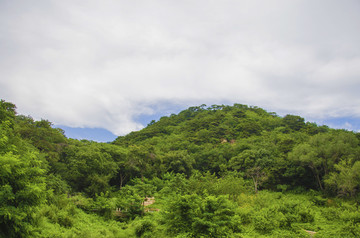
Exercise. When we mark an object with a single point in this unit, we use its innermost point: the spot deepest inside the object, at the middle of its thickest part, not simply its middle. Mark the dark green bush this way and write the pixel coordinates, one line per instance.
(145, 226)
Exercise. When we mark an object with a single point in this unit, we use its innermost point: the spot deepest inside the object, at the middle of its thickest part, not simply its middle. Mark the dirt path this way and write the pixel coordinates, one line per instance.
(311, 233)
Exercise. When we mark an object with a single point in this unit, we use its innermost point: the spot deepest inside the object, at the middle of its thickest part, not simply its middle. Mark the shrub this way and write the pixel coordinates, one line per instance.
(145, 226)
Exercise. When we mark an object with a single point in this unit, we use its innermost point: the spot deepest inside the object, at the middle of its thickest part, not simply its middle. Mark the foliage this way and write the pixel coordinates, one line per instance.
(209, 217)
(218, 171)
(22, 181)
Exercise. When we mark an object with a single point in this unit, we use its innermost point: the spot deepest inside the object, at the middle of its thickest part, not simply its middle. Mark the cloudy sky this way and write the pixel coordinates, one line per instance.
(118, 64)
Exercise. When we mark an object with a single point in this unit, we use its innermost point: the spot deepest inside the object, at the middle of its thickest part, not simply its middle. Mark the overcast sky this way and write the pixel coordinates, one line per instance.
(110, 64)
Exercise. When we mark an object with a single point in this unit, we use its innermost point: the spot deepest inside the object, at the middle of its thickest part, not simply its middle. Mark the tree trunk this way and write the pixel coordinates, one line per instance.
(255, 185)
(319, 181)
(317, 177)
(122, 178)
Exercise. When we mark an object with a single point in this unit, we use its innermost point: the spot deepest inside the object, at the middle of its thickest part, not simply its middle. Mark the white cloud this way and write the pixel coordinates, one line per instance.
(104, 63)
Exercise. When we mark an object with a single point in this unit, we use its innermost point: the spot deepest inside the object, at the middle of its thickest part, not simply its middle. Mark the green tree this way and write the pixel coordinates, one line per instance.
(7, 111)
(323, 151)
(258, 176)
(22, 189)
(295, 123)
(179, 161)
(346, 179)
(140, 160)
(22, 181)
(87, 168)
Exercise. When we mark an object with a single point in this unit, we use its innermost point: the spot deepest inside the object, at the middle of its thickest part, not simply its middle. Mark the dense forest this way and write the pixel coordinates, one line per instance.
(218, 171)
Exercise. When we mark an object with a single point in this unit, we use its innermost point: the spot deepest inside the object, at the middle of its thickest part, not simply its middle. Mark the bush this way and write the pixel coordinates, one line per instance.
(144, 227)
(209, 217)
(262, 223)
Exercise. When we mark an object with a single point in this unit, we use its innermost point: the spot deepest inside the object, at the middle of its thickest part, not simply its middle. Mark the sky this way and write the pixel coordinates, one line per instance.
(109, 67)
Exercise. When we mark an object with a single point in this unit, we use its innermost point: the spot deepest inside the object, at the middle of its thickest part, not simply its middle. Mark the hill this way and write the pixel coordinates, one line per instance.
(217, 171)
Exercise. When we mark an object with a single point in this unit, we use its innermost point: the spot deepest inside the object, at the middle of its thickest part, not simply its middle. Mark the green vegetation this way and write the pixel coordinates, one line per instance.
(219, 171)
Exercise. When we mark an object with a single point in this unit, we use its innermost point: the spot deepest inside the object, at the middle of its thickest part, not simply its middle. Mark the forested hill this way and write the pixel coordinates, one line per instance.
(218, 171)
(240, 138)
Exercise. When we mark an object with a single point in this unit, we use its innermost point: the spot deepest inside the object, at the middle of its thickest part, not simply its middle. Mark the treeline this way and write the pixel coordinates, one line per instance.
(218, 171)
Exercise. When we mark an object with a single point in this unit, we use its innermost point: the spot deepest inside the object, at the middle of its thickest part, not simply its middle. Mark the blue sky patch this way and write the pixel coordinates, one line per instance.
(95, 134)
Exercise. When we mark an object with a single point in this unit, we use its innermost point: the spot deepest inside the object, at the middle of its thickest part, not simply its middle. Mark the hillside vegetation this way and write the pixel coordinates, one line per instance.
(218, 171)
